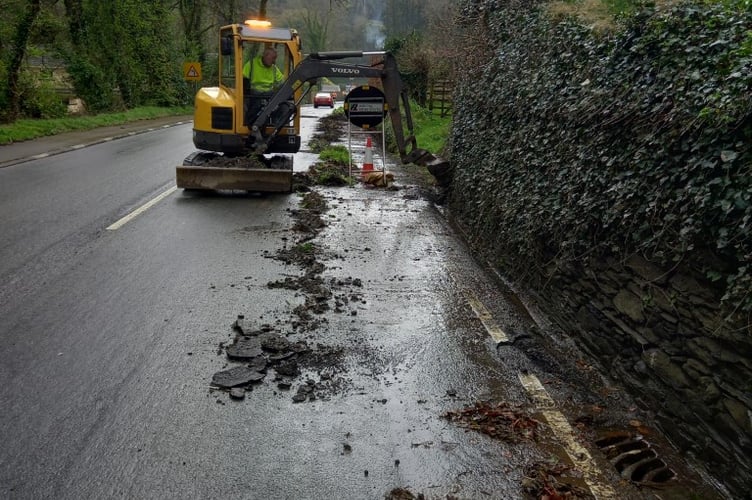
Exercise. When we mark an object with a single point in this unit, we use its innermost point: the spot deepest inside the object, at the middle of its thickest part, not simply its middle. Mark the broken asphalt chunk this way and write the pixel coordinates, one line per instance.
(258, 363)
(240, 375)
(275, 343)
(245, 348)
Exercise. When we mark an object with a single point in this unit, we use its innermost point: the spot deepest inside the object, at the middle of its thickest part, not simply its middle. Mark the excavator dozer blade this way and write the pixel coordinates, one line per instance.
(200, 170)
(246, 179)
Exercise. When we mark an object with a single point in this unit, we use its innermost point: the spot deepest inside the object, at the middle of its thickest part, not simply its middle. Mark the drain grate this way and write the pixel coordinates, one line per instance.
(635, 459)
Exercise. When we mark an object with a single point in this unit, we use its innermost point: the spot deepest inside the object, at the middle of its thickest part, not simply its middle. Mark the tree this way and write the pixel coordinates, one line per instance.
(192, 17)
(90, 73)
(17, 51)
(316, 29)
(125, 53)
(402, 17)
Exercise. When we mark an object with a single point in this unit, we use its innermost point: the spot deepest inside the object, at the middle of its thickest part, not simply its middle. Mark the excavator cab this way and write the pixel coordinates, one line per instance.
(224, 114)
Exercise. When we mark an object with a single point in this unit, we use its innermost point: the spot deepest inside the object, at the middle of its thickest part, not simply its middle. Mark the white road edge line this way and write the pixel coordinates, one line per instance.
(486, 318)
(564, 433)
(143, 208)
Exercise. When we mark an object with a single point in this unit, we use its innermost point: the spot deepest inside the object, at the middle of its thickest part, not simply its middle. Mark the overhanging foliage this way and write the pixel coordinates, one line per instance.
(635, 142)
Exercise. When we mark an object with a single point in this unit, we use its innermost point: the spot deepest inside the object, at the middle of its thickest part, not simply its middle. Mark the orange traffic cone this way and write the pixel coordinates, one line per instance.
(368, 159)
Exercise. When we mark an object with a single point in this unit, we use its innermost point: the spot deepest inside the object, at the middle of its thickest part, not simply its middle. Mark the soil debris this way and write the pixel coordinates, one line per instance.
(323, 173)
(264, 349)
(304, 253)
(329, 129)
(554, 481)
(403, 494)
(509, 423)
(250, 160)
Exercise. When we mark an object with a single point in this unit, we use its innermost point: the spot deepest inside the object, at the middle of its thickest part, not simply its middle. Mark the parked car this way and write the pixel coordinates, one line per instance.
(323, 99)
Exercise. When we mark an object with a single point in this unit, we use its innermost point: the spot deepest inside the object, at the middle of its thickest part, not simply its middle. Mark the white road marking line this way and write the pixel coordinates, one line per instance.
(143, 208)
(78, 146)
(564, 433)
(40, 156)
(486, 318)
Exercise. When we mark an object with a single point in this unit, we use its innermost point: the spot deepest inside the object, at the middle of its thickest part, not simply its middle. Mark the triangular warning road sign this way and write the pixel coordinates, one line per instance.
(192, 70)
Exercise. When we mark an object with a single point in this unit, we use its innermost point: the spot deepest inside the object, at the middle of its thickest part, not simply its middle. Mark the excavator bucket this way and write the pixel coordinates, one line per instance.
(202, 170)
(440, 168)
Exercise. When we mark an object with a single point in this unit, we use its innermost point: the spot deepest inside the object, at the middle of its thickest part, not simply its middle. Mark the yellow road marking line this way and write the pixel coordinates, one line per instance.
(486, 318)
(564, 433)
(143, 208)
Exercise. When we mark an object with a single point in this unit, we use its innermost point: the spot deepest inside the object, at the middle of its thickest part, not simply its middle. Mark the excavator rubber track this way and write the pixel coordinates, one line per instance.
(204, 170)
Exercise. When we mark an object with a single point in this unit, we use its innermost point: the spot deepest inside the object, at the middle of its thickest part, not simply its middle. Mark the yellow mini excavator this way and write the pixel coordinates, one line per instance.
(236, 126)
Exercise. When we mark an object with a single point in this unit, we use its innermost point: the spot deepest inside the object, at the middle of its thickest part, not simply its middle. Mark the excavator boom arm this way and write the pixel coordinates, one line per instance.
(324, 64)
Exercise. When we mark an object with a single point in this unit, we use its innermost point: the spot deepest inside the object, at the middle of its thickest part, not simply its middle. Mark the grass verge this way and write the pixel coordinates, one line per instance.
(26, 129)
(431, 130)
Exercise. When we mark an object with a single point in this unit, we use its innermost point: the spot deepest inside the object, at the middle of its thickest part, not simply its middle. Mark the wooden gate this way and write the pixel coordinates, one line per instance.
(440, 96)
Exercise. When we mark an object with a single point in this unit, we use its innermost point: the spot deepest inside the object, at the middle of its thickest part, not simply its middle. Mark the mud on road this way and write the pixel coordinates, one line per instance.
(310, 371)
(306, 359)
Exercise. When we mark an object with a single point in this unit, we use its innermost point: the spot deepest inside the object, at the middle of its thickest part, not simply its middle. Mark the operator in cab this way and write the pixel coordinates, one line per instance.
(262, 72)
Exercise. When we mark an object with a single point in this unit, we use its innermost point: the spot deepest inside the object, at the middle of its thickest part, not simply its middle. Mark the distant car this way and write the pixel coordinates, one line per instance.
(323, 99)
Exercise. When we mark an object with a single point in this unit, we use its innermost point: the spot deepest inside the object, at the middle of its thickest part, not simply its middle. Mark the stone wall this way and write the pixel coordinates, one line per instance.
(660, 333)
(570, 149)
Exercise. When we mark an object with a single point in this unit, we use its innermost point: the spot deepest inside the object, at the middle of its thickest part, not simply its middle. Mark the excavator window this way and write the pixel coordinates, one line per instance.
(257, 89)
(226, 45)
(227, 59)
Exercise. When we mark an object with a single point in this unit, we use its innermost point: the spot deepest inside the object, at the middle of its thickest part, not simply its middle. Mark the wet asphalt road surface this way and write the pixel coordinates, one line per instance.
(109, 340)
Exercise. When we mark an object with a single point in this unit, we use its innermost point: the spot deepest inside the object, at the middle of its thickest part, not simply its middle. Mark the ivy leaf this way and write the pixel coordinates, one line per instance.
(728, 156)
(713, 275)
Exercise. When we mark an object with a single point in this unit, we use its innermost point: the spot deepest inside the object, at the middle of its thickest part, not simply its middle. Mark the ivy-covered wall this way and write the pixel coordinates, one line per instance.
(611, 172)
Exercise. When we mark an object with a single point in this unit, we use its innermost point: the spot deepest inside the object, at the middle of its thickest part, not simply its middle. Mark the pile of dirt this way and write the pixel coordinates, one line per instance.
(327, 173)
(329, 129)
(250, 160)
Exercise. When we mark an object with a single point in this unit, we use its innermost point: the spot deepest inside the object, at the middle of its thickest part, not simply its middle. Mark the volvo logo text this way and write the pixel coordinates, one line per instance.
(352, 71)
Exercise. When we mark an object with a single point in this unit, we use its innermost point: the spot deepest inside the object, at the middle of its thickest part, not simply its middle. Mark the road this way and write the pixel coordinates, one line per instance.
(110, 336)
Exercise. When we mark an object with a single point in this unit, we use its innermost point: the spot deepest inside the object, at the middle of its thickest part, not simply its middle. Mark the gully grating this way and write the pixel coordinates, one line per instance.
(635, 459)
